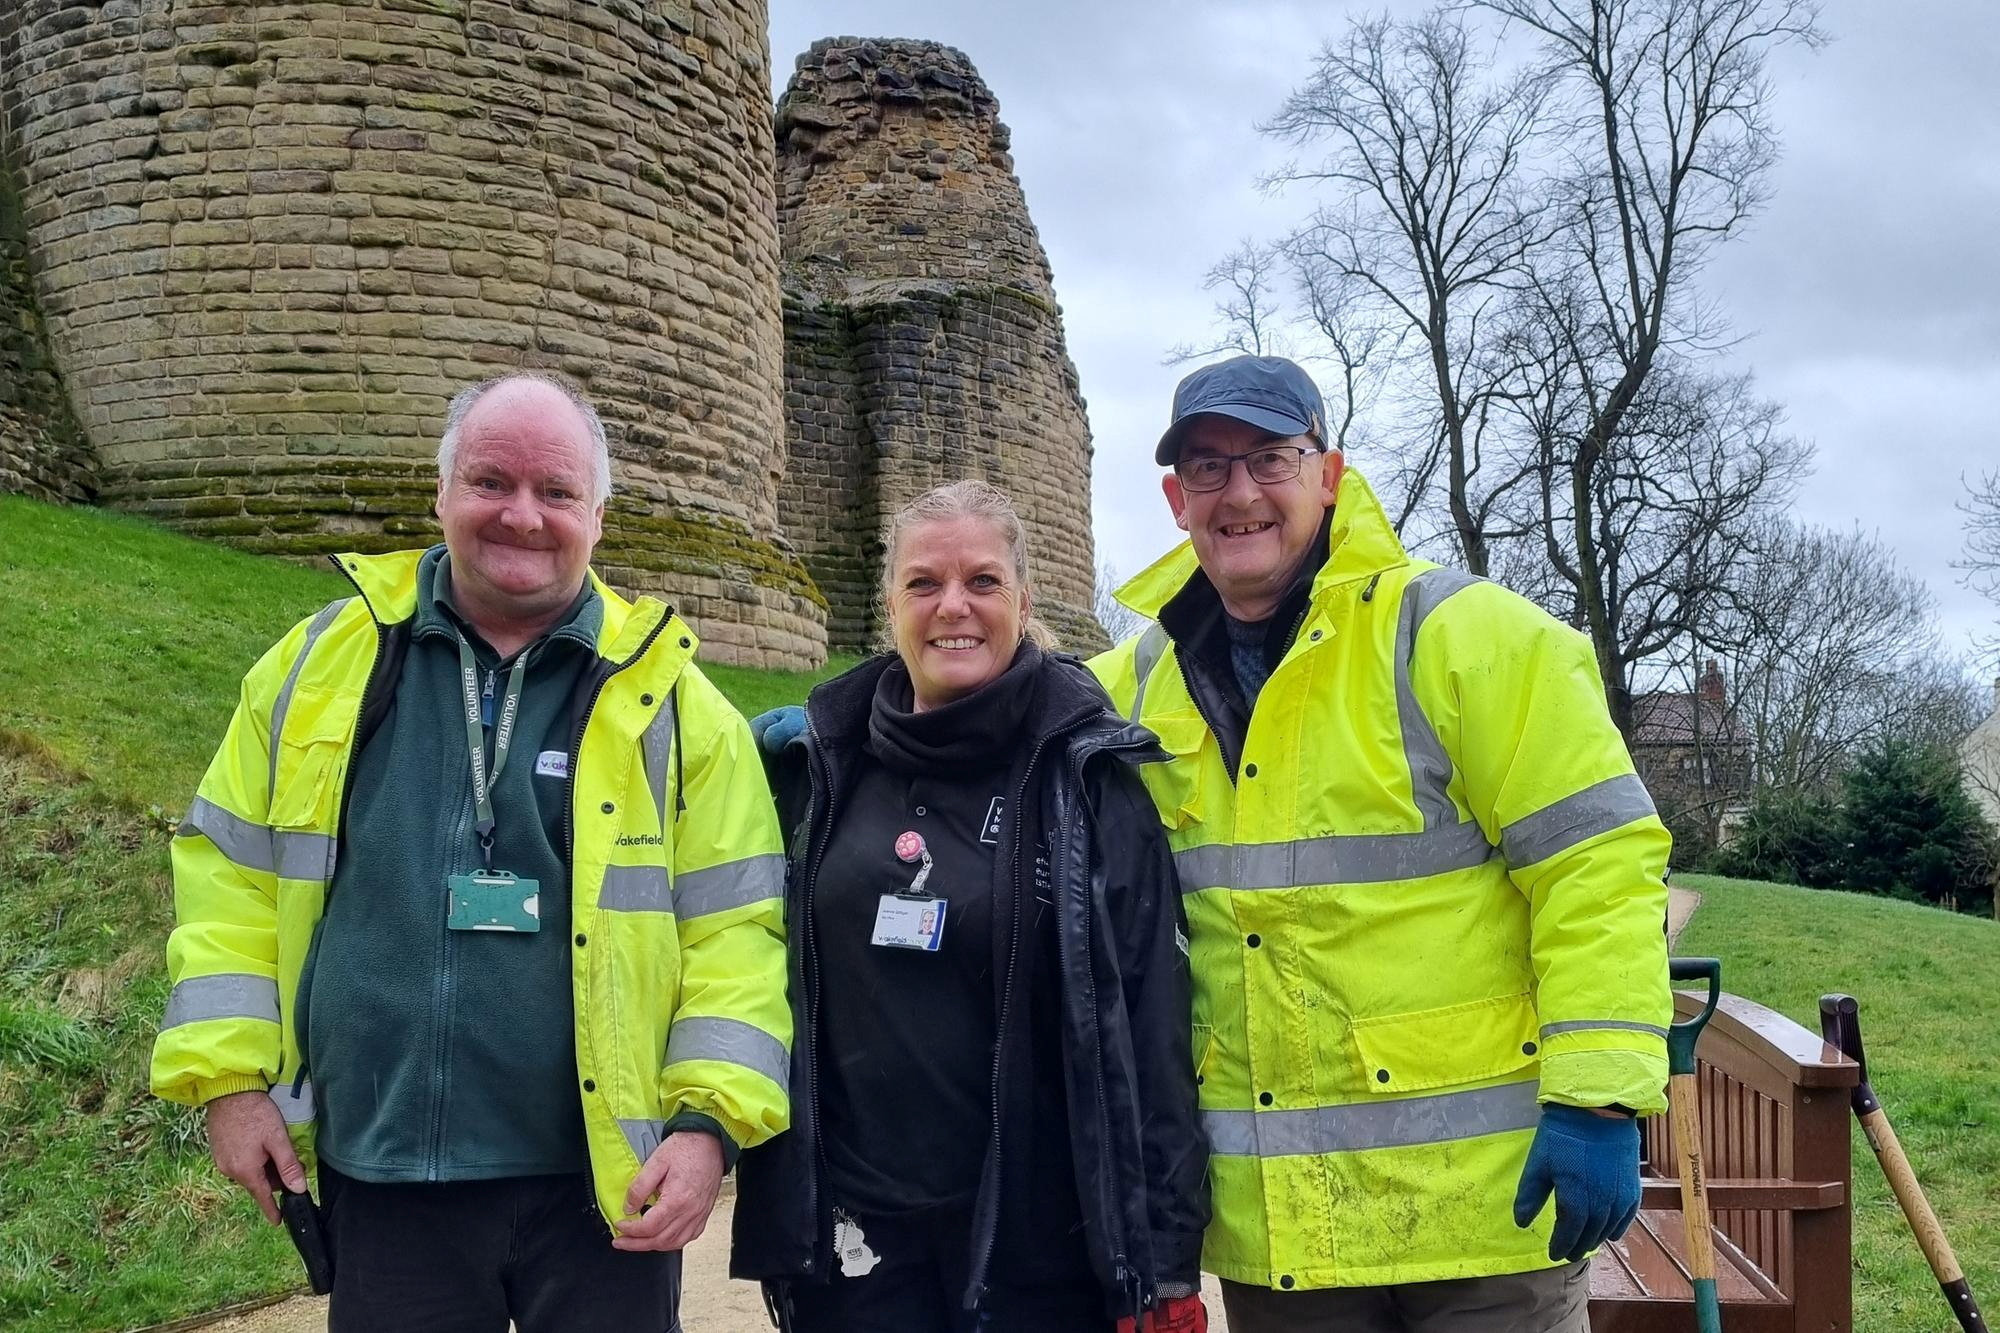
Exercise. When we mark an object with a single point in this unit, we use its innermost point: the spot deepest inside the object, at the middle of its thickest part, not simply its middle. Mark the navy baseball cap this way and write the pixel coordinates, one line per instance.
(1267, 392)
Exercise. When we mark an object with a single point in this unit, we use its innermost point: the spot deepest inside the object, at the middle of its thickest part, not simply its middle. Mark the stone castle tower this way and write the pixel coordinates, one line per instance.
(270, 240)
(923, 342)
(248, 250)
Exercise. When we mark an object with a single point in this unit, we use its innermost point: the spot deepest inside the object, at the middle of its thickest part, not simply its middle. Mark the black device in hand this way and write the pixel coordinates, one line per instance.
(301, 1217)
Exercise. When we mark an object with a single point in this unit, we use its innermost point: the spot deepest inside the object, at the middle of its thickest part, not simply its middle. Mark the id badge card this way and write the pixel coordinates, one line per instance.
(906, 921)
(494, 900)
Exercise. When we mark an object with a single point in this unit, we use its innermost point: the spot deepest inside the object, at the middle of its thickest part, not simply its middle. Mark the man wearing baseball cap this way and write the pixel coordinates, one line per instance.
(1423, 886)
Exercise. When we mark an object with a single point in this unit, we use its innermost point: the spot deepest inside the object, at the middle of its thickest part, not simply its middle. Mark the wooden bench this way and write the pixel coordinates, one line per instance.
(1775, 1144)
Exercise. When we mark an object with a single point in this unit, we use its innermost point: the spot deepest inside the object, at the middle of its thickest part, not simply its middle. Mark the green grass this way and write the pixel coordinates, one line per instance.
(121, 648)
(1929, 986)
(110, 1215)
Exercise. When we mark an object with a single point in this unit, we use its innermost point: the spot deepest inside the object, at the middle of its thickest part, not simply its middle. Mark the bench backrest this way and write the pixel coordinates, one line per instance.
(1774, 1121)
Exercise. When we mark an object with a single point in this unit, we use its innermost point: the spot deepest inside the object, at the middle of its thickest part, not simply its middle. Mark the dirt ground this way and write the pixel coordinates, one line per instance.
(710, 1302)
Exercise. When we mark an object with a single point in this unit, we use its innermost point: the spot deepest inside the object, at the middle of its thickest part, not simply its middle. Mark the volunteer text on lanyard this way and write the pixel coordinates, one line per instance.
(489, 898)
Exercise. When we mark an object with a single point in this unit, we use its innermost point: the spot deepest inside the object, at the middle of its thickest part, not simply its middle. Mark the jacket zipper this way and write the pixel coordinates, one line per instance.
(441, 1005)
(583, 724)
(340, 812)
(815, 853)
(569, 799)
(1128, 1282)
(1230, 763)
(977, 1284)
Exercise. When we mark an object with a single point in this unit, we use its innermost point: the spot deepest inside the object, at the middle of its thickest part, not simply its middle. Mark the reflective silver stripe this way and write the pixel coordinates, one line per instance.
(1360, 1126)
(253, 846)
(247, 845)
(224, 995)
(1361, 858)
(283, 703)
(305, 856)
(731, 1040)
(1601, 1025)
(657, 748)
(1151, 647)
(1430, 766)
(636, 889)
(754, 879)
(297, 1110)
(643, 1135)
(1600, 808)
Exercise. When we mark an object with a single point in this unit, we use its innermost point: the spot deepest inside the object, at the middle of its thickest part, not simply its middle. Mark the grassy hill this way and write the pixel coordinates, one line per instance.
(121, 647)
(120, 651)
(1929, 986)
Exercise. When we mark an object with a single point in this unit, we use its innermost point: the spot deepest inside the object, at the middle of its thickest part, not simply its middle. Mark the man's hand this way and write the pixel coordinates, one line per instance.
(778, 728)
(1590, 1159)
(685, 1172)
(245, 1134)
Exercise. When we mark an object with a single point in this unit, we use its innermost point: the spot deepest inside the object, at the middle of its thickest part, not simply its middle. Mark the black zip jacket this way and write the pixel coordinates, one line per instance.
(1140, 1156)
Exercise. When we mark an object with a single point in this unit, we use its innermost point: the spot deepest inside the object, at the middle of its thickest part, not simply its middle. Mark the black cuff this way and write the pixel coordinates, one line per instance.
(706, 1124)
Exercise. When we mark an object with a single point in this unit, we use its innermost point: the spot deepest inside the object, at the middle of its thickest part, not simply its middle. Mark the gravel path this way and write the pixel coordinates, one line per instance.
(1680, 906)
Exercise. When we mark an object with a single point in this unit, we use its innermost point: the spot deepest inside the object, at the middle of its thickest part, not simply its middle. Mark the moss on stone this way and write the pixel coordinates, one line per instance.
(663, 543)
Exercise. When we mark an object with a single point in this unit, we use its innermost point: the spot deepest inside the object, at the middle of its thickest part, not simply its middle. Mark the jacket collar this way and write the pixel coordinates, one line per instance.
(1361, 544)
(838, 710)
(389, 584)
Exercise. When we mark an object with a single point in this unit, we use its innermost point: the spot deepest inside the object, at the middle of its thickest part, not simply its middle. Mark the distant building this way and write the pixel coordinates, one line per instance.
(1693, 756)
(1980, 753)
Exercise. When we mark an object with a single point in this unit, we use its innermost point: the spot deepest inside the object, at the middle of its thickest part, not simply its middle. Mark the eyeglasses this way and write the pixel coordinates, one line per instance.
(1267, 466)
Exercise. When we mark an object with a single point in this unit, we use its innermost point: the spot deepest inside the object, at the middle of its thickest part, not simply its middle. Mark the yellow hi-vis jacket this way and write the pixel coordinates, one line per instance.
(1430, 901)
(677, 883)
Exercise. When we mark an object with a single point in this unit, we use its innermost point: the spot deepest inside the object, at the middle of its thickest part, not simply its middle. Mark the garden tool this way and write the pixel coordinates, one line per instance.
(1684, 1102)
(1840, 1024)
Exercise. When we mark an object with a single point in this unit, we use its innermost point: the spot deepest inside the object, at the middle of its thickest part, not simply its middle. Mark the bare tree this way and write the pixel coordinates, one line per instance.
(1674, 507)
(1120, 621)
(1671, 99)
(1426, 157)
(1839, 648)
(1981, 562)
(1249, 306)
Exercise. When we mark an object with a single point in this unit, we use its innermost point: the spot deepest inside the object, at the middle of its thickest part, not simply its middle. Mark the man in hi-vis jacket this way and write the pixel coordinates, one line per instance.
(1423, 887)
(480, 903)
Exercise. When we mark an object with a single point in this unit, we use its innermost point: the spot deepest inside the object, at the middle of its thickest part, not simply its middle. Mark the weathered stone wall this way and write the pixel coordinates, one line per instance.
(43, 452)
(924, 342)
(272, 238)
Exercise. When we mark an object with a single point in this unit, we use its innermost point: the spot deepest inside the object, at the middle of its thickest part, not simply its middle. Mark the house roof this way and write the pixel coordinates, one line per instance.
(1668, 717)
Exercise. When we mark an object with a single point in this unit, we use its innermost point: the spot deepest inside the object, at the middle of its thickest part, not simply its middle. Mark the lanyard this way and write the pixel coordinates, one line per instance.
(475, 736)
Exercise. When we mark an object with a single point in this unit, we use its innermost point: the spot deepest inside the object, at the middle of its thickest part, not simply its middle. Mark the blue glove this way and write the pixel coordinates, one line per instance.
(778, 728)
(1591, 1161)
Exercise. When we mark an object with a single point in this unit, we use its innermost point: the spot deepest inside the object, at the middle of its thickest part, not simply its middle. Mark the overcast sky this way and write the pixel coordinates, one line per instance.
(1869, 289)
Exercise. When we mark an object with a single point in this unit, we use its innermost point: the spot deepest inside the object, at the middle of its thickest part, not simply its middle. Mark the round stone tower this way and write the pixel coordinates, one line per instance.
(272, 239)
(923, 342)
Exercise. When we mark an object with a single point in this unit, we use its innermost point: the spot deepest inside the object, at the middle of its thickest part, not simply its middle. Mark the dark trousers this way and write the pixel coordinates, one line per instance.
(919, 1287)
(1550, 1300)
(469, 1256)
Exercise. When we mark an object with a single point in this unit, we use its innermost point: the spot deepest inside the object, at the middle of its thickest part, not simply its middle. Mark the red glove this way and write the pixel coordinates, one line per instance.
(1180, 1314)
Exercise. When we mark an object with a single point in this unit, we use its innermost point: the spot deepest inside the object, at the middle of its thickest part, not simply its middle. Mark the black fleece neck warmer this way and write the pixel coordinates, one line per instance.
(983, 730)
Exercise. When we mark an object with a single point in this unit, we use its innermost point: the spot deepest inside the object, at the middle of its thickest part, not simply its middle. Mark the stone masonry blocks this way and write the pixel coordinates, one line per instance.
(270, 239)
(923, 342)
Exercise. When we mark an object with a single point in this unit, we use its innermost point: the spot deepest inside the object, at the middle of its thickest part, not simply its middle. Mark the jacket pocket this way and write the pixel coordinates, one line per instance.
(309, 757)
(1203, 1046)
(1435, 1048)
(1176, 787)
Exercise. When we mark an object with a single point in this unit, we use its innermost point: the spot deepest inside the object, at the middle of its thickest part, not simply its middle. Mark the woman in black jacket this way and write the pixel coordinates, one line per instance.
(993, 1101)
